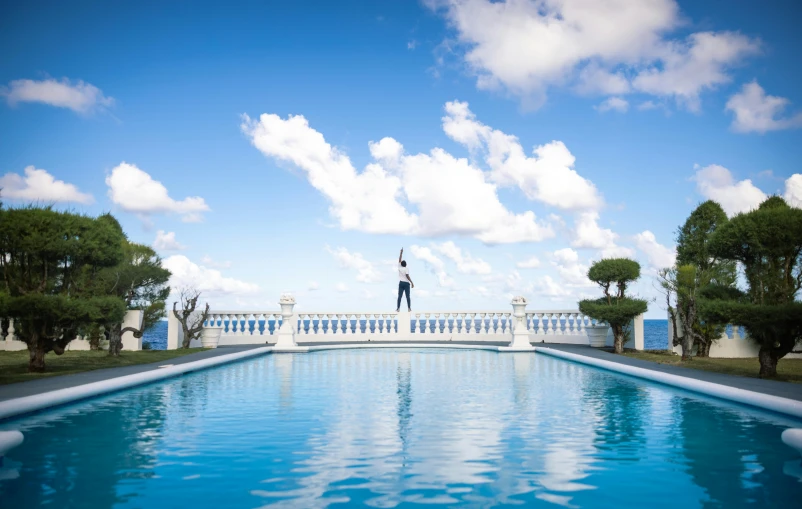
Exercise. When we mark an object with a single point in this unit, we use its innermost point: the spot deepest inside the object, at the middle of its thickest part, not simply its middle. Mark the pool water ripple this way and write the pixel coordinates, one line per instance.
(401, 428)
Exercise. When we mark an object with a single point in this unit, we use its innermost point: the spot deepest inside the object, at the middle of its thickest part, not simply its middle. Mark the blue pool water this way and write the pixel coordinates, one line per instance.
(655, 334)
(401, 428)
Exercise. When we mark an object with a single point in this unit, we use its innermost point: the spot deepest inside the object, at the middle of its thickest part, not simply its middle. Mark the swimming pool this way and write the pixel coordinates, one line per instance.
(398, 428)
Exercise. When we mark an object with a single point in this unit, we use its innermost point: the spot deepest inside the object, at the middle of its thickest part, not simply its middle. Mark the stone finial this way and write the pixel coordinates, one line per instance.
(520, 299)
(286, 298)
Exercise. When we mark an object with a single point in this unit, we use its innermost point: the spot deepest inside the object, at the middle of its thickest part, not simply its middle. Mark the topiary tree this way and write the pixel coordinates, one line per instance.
(767, 242)
(139, 280)
(46, 257)
(696, 267)
(615, 308)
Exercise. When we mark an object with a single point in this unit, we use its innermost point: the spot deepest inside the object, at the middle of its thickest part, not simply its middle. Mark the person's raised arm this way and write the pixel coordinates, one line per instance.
(401, 255)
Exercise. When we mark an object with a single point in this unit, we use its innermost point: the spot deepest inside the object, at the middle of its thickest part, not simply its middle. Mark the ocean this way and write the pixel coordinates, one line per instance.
(655, 335)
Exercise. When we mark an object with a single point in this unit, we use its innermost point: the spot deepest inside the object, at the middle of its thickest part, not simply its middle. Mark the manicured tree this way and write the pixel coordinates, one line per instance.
(767, 242)
(615, 308)
(45, 257)
(191, 322)
(696, 268)
(140, 281)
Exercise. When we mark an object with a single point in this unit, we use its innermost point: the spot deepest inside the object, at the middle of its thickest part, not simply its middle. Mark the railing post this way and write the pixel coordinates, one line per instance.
(286, 333)
(637, 332)
(175, 334)
(404, 327)
(520, 334)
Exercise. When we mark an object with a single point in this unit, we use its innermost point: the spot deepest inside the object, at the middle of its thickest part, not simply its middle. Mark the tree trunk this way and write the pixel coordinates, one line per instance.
(768, 361)
(618, 338)
(36, 355)
(115, 340)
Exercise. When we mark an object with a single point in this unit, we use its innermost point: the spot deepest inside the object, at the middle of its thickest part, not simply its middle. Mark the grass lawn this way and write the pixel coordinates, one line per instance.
(14, 365)
(788, 370)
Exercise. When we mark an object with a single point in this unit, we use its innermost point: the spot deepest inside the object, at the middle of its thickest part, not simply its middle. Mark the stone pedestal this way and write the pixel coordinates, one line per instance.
(520, 335)
(404, 325)
(285, 341)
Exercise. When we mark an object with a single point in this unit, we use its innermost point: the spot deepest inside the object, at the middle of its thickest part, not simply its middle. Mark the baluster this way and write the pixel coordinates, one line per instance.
(436, 324)
(507, 323)
(482, 327)
(426, 325)
(450, 322)
(458, 319)
(335, 324)
(379, 323)
(558, 330)
(346, 324)
(546, 323)
(581, 319)
(418, 324)
(389, 325)
(472, 324)
(11, 330)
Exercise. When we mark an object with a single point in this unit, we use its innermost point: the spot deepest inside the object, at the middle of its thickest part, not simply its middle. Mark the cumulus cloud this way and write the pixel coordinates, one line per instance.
(434, 264)
(366, 271)
(210, 262)
(525, 47)
(573, 272)
(793, 190)
(209, 281)
(588, 234)
(613, 104)
(531, 263)
(465, 263)
(659, 256)
(547, 176)
(165, 241)
(757, 112)
(376, 199)
(717, 183)
(80, 97)
(135, 191)
(39, 185)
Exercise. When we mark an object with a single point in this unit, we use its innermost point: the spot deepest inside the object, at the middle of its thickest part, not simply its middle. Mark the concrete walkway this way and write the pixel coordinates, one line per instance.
(774, 388)
(52, 383)
(771, 387)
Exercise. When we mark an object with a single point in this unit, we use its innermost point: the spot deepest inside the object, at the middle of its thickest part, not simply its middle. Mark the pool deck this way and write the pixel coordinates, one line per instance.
(53, 383)
(769, 387)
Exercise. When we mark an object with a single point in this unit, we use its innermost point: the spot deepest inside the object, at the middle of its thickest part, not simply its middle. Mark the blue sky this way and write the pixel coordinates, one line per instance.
(266, 147)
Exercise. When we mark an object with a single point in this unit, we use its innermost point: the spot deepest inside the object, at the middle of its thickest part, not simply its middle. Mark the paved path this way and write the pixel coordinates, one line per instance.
(773, 387)
(52, 383)
(782, 389)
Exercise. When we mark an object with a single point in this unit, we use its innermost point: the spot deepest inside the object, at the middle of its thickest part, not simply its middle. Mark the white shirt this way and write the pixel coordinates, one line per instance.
(402, 273)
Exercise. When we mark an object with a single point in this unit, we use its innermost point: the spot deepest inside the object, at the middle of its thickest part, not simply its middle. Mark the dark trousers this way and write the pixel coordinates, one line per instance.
(403, 287)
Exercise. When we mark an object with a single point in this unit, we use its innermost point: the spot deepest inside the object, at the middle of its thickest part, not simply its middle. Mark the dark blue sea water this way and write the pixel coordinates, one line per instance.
(655, 332)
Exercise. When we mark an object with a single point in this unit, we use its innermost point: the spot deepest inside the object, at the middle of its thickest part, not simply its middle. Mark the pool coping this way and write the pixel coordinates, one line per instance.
(109, 380)
(786, 406)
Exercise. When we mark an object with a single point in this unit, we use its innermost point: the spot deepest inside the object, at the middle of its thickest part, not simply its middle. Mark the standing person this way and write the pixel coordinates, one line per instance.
(404, 281)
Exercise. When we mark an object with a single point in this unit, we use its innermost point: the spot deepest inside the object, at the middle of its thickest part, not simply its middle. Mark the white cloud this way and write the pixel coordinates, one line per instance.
(717, 183)
(433, 263)
(209, 262)
(39, 185)
(613, 104)
(79, 96)
(588, 234)
(659, 256)
(313, 286)
(525, 47)
(793, 190)
(548, 176)
(531, 263)
(412, 44)
(165, 241)
(135, 191)
(341, 287)
(466, 264)
(647, 105)
(366, 271)
(757, 112)
(686, 68)
(209, 281)
(371, 201)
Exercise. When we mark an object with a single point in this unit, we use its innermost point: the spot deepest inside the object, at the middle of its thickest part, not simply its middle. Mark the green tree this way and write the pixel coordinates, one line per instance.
(767, 242)
(615, 308)
(139, 280)
(46, 256)
(696, 267)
